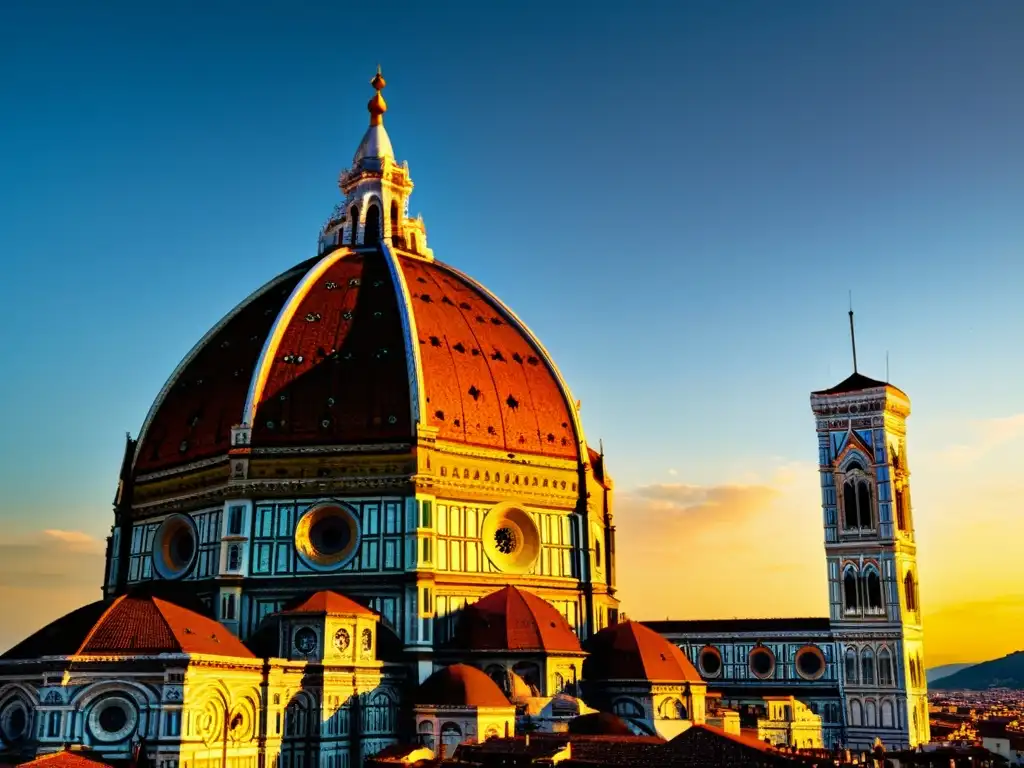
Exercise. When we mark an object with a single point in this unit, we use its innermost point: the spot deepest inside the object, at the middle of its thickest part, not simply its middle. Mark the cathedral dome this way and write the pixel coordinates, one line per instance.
(460, 685)
(513, 619)
(130, 626)
(631, 651)
(362, 346)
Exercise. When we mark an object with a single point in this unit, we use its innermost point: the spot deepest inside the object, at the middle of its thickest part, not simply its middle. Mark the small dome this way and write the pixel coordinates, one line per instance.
(512, 619)
(327, 601)
(130, 625)
(461, 685)
(631, 651)
(599, 724)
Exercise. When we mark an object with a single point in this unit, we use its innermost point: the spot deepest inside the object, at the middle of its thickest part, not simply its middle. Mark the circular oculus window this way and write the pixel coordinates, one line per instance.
(14, 721)
(112, 719)
(327, 537)
(710, 661)
(511, 539)
(810, 662)
(762, 662)
(305, 641)
(175, 547)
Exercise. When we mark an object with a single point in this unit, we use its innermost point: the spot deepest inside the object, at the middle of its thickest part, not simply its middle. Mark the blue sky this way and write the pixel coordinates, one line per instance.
(677, 197)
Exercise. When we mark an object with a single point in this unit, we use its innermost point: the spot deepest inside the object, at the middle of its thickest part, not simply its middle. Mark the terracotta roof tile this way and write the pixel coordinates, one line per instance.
(461, 685)
(207, 398)
(64, 759)
(631, 651)
(328, 601)
(486, 382)
(517, 620)
(339, 372)
(128, 626)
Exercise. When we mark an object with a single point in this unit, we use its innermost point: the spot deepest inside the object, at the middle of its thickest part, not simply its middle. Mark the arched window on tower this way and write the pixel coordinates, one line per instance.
(851, 597)
(885, 667)
(851, 666)
(872, 591)
(396, 224)
(901, 509)
(864, 504)
(849, 505)
(412, 243)
(910, 591)
(371, 229)
(353, 217)
(867, 667)
(857, 512)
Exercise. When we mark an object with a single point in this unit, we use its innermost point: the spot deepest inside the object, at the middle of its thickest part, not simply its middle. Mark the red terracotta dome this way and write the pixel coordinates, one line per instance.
(130, 626)
(599, 724)
(357, 347)
(631, 651)
(460, 685)
(512, 619)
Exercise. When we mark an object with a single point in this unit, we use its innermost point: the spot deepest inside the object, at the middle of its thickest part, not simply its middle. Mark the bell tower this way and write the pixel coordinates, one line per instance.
(871, 555)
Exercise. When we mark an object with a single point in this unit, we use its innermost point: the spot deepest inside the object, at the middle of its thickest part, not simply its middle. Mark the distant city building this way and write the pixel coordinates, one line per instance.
(361, 518)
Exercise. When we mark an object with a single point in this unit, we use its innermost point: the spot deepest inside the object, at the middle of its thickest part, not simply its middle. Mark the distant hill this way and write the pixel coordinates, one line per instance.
(937, 673)
(1007, 672)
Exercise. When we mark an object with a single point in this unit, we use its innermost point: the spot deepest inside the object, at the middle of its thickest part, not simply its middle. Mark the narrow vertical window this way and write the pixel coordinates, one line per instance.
(353, 217)
(851, 601)
(371, 229)
(910, 590)
(864, 504)
(849, 505)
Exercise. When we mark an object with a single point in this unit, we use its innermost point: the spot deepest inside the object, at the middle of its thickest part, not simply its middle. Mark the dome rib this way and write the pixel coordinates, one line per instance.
(284, 318)
(414, 363)
(577, 424)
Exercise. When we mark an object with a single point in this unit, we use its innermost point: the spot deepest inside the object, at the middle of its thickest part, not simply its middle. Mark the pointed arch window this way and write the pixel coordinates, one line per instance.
(885, 676)
(910, 591)
(371, 229)
(851, 666)
(851, 595)
(867, 667)
(872, 591)
(857, 507)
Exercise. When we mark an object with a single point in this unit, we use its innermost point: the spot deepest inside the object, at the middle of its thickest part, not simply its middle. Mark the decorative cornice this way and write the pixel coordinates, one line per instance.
(273, 488)
(531, 460)
(182, 469)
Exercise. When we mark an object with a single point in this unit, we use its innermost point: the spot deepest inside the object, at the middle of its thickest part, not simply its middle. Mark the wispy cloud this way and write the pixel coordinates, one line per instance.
(43, 575)
(732, 549)
(983, 437)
